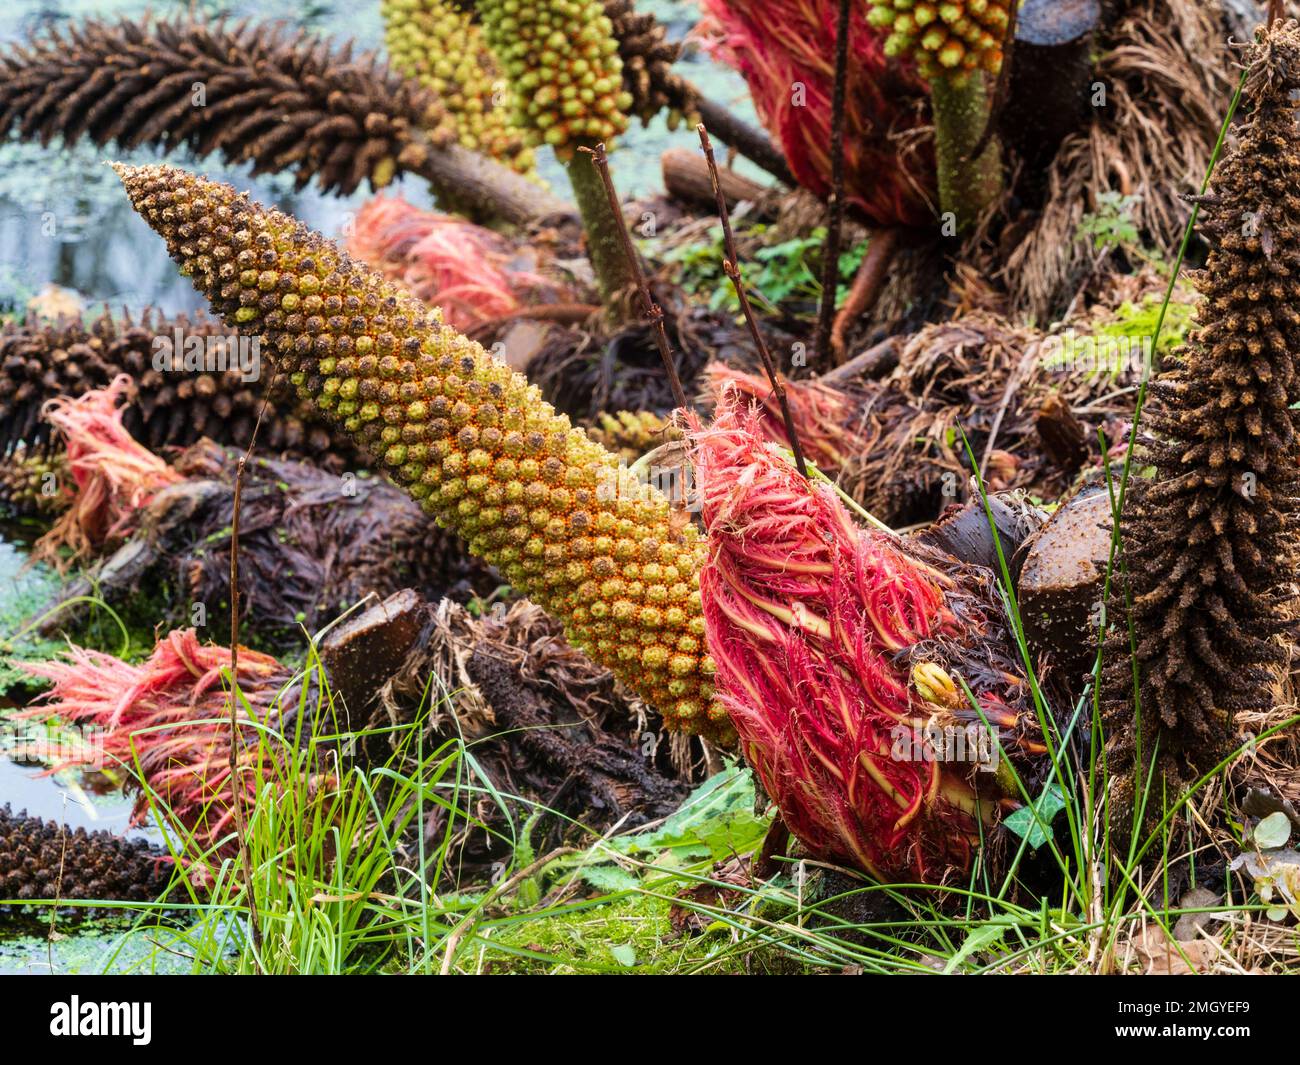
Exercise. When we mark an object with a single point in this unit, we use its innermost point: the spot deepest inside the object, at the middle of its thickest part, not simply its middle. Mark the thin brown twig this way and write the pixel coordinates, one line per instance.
(730, 266)
(654, 314)
(835, 221)
(236, 798)
(1275, 11)
(58, 888)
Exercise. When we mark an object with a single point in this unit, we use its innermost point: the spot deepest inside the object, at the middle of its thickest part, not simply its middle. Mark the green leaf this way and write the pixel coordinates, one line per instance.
(1030, 828)
(609, 878)
(624, 954)
(981, 938)
(1272, 832)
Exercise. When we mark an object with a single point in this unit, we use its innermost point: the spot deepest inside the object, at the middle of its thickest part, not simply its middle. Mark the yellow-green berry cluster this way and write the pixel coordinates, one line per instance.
(443, 49)
(630, 434)
(473, 441)
(35, 485)
(562, 60)
(946, 38)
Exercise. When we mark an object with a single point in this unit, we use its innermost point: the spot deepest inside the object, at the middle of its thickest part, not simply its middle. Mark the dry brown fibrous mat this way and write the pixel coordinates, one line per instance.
(173, 407)
(584, 374)
(282, 99)
(549, 728)
(1168, 74)
(311, 545)
(982, 376)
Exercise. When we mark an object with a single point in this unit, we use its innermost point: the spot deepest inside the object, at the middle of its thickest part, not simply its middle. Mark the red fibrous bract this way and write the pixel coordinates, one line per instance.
(836, 650)
(113, 475)
(168, 719)
(785, 50)
(448, 262)
(824, 417)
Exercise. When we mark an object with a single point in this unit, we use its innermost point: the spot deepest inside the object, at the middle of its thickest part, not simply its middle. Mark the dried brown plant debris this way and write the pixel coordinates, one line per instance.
(281, 99)
(1167, 73)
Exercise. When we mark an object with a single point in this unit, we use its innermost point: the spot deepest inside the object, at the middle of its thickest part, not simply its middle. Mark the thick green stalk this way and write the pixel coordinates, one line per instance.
(966, 186)
(609, 262)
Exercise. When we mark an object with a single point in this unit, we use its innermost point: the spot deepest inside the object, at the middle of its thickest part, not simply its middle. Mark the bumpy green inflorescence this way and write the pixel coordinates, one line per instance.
(443, 48)
(473, 441)
(946, 38)
(562, 60)
(35, 485)
(631, 434)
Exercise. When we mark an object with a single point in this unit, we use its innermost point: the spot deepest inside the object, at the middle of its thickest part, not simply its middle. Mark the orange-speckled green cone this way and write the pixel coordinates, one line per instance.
(944, 37)
(474, 442)
(954, 43)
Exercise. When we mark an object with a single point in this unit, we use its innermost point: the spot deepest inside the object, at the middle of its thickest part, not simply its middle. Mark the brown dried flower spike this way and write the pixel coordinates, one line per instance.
(169, 407)
(282, 100)
(1210, 541)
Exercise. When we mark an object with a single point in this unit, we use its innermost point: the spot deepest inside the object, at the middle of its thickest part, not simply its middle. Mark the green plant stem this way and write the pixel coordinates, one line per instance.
(614, 276)
(966, 186)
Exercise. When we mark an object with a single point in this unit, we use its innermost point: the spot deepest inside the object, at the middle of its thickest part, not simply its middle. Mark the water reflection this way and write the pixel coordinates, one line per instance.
(88, 801)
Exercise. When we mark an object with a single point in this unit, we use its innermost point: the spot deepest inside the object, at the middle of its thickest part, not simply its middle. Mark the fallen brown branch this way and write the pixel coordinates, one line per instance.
(748, 140)
(875, 362)
(686, 177)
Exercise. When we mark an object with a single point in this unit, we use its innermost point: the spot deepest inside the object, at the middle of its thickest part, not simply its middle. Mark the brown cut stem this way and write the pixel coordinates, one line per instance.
(835, 221)
(867, 286)
(731, 268)
(686, 177)
(776, 844)
(654, 314)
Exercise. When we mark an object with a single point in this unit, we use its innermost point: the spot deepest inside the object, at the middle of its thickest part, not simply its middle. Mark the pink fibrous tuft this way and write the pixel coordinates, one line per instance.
(114, 476)
(169, 719)
(446, 261)
(820, 631)
(785, 50)
(825, 419)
